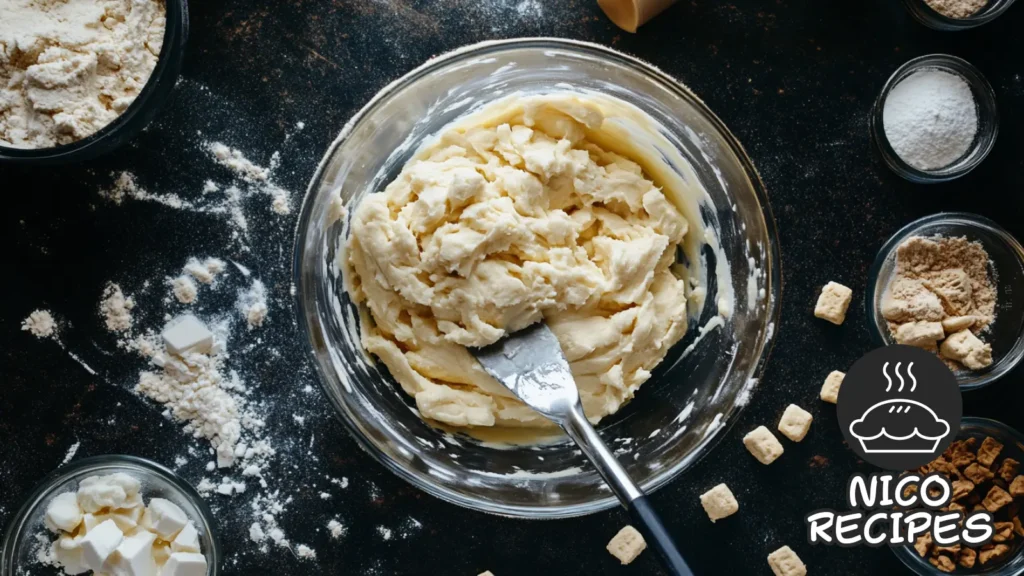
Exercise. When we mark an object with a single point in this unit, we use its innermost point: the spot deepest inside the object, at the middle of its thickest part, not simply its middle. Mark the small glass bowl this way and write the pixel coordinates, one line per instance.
(988, 119)
(153, 96)
(19, 541)
(926, 15)
(1013, 446)
(1006, 267)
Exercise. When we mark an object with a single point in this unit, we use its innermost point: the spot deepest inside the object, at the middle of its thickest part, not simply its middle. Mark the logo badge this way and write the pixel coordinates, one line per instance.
(899, 407)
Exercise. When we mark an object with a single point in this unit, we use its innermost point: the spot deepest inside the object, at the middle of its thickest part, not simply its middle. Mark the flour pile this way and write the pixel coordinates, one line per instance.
(67, 69)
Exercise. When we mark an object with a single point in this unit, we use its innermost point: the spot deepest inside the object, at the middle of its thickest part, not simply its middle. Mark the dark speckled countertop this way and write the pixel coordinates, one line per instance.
(793, 79)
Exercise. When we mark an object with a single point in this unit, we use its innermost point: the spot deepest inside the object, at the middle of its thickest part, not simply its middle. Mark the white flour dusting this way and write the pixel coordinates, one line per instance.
(184, 289)
(116, 309)
(125, 186)
(253, 304)
(205, 271)
(71, 453)
(336, 529)
(40, 324)
(257, 176)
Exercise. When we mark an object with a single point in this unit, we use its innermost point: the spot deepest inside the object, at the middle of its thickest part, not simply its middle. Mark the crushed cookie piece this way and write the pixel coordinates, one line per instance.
(1004, 531)
(978, 474)
(989, 451)
(763, 445)
(627, 544)
(923, 544)
(967, 557)
(795, 423)
(830, 389)
(1008, 469)
(943, 563)
(996, 499)
(962, 488)
(994, 553)
(1017, 486)
(785, 562)
(719, 502)
(833, 302)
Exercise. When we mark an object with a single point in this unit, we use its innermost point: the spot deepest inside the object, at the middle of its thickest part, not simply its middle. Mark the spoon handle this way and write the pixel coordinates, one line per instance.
(640, 510)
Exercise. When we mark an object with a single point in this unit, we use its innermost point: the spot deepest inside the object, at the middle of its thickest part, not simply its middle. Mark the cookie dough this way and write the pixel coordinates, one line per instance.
(518, 214)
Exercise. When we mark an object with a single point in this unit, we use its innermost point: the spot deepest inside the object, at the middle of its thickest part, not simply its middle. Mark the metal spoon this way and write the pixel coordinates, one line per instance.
(530, 363)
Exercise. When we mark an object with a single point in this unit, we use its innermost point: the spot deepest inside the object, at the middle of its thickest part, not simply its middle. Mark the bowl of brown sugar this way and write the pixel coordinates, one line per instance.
(946, 283)
(956, 14)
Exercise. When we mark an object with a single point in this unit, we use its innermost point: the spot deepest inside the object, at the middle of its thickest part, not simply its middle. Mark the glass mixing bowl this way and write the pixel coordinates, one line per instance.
(18, 555)
(693, 396)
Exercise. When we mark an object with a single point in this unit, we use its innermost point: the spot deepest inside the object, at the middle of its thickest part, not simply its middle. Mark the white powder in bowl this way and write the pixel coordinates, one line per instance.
(930, 118)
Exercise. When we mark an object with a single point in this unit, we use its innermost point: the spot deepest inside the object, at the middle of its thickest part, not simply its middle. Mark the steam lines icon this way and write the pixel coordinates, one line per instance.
(899, 425)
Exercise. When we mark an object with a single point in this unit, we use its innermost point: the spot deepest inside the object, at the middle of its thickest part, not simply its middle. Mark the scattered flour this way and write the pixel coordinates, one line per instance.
(233, 159)
(205, 271)
(40, 324)
(336, 529)
(125, 186)
(184, 289)
(71, 453)
(384, 532)
(116, 309)
(305, 552)
(257, 176)
(253, 304)
(325, 496)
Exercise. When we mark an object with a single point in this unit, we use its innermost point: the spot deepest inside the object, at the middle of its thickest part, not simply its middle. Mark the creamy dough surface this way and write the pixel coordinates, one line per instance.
(513, 216)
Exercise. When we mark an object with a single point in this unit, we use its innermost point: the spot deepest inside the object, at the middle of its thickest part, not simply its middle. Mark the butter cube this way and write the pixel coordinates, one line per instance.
(185, 564)
(830, 389)
(795, 423)
(187, 540)
(763, 445)
(90, 521)
(920, 334)
(135, 556)
(833, 303)
(68, 552)
(627, 545)
(113, 491)
(785, 562)
(100, 543)
(63, 513)
(955, 324)
(166, 518)
(719, 502)
(187, 333)
(967, 349)
(161, 552)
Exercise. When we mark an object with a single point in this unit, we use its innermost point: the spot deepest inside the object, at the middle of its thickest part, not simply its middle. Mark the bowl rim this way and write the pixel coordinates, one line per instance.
(772, 265)
(14, 530)
(136, 117)
(980, 87)
(925, 14)
(880, 334)
(905, 552)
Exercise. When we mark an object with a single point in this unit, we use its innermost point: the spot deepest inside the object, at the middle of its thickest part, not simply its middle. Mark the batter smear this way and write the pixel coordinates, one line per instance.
(512, 218)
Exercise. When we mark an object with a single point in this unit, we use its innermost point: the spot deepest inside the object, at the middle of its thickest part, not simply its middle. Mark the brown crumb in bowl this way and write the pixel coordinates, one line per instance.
(976, 470)
(941, 298)
(957, 9)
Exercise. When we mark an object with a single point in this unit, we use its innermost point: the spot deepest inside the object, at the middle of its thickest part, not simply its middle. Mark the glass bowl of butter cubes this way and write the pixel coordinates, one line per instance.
(950, 283)
(112, 515)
